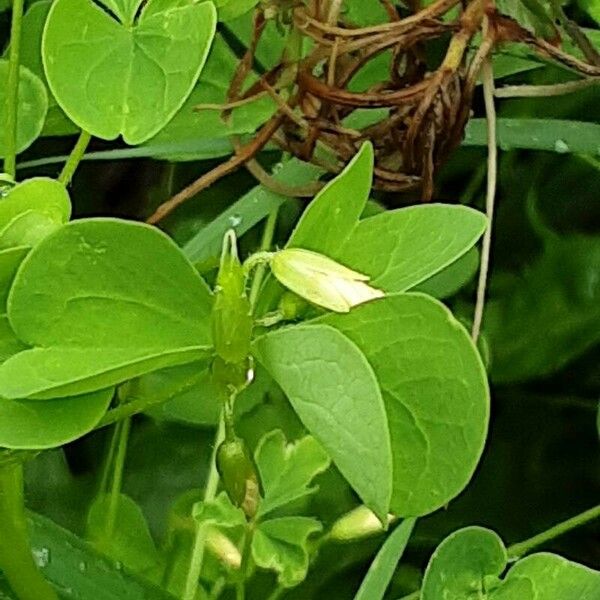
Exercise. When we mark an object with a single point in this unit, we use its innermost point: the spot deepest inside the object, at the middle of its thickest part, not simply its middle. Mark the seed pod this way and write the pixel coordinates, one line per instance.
(239, 476)
(232, 314)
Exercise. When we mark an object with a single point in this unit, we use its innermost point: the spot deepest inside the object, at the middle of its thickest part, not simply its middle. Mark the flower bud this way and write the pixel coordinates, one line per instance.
(358, 523)
(321, 280)
(223, 548)
(238, 475)
(232, 314)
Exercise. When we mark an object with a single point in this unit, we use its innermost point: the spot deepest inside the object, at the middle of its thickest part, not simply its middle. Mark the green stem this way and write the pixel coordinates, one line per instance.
(16, 560)
(109, 460)
(517, 550)
(75, 157)
(212, 483)
(266, 243)
(12, 90)
(240, 585)
(124, 427)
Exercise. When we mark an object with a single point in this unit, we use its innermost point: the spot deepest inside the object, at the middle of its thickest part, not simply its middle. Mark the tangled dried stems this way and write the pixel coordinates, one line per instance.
(425, 112)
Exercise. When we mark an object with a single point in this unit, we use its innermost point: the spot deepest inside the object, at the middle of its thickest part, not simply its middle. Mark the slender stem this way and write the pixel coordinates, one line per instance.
(490, 110)
(12, 90)
(544, 91)
(75, 157)
(210, 491)
(521, 548)
(240, 585)
(16, 560)
(108, 462)
(266, 242)
(117, 479)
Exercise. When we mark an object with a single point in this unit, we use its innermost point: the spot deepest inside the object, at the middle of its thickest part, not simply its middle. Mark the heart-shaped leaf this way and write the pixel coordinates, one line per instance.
(470, 563)
(333, 389)
(102, 301)
(123, 78)
(29, 424)
(435, 392)
(33, 106)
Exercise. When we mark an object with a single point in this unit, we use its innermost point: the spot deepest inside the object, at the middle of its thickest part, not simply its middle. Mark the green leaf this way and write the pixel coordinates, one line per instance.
(112, 79)
(102, 301)
(72, 564)
(286, 470)
(332, 216)
(130, 541)
(10, 259)
(463, 563)
(554, 578)
(454, 277)
(531, 14)
(281, 545)
(9, 342)
(27, 229)
(231, 9)
(56, 122)
(550, 315)
(470, 561)
(33, 105)
(188, 394)
(435, 392)
(554, 135)
(242, 215)
(592, 7)
(190, 125)
(335, 393)
(45, 196)
(33, 425)
(401, 248)
(382, 568)
(219, 512)
(125, 10)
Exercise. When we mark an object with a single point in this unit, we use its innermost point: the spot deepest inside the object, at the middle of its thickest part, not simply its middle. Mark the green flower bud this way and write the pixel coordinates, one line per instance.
(358, 523)
(238, 475)
(232, 313)
(291, 306)
(321, 280)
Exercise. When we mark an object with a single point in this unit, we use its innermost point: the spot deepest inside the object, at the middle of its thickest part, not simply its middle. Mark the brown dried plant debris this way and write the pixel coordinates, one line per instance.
(425, 111)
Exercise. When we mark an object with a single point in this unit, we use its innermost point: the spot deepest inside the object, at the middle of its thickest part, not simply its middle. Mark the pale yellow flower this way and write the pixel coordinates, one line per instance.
(321, 280)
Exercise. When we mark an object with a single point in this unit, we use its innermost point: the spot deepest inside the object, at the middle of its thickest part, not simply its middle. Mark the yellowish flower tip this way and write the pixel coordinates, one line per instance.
(358, 523)
(321, 280)
(222, 547)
